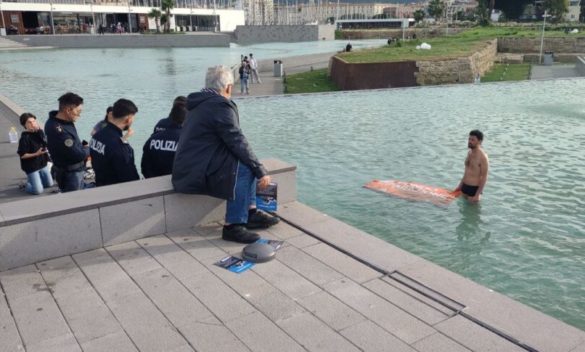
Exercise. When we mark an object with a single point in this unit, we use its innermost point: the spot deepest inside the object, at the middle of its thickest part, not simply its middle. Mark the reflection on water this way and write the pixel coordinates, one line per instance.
(525, 239)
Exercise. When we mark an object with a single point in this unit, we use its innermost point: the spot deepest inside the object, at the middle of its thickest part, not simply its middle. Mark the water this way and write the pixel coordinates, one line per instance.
(525, 239)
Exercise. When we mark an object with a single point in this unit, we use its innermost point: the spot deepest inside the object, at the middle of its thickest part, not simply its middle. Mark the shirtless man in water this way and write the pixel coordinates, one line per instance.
(476, 169)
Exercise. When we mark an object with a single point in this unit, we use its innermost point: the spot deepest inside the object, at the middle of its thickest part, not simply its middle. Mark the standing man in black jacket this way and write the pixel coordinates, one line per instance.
(112, 157)
(67, 151)
(214, 157)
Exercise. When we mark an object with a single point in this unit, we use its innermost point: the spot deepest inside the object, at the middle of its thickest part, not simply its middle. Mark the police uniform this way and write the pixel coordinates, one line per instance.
(67, 152)
(163, 124)
(112, 157)
(158, 152)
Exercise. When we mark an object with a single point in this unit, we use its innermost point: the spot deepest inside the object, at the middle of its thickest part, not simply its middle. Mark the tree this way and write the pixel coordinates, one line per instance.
(167, 6)
(512, 9)
(418, 15)
(482, 13)
(436, 9)
(556, 8)
(156, 14)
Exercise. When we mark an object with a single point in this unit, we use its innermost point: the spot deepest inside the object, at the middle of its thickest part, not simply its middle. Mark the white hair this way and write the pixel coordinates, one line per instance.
(218, 77)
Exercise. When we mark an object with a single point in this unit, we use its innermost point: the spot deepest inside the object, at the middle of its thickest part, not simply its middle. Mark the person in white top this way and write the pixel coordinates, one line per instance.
(254, 68)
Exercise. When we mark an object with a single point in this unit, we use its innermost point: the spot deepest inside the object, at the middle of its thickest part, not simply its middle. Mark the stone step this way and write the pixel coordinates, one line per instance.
(10, 44)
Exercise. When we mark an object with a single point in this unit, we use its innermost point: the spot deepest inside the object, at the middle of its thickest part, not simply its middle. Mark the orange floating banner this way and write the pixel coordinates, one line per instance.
(413, 191)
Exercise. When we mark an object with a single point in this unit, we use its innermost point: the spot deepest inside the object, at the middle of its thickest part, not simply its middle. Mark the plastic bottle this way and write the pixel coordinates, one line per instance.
(13, 135)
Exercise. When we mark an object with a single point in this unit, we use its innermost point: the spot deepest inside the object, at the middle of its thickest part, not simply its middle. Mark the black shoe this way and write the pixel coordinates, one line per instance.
(238, 233)
(261, 220)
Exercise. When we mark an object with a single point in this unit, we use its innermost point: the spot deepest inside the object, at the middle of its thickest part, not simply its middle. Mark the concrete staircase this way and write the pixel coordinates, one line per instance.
(10, 44)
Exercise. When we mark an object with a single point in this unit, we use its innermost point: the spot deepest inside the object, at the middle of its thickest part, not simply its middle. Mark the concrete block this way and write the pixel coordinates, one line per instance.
(286, 279)
(163, 249)
(580, 348)
(22, 281)
(287, 187)
(200, 247)
(183, 211)
(475, 337)
(390, 317)
(118, 342)
(262, 335)
(414, 304)
(307, 266)
(301, 214)
(133, 258)
(31, 242)
(339, 261)
(370, 337)
(331, 310)
(314, 335)
(62, 343)
(132, 220)
(9, 336)
(303, 241)
(284, 231)
(438, 343)
(206, 337)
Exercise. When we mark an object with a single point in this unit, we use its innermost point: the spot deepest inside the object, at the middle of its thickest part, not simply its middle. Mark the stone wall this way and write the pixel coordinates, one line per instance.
(350, 76)
(126, 41)
(394, 33)
(532, 45)
(296, 33)
(457, 70)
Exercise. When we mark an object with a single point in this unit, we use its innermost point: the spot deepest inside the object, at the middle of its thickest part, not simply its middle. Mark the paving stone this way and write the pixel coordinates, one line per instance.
(84, 310)
(314, 335)
(143, 322)
(296, 212)
(9, 336)
(211, 338)
(369, 337)
(350, 267)
(117, 341)
(441, 307)
(260, 334)
(199, 247)
(62, 343)
(132, 220)
(438, 343)
(217, 296)
(307, 266)
(580, 348)
(133, 258)
(284, 231)
(286, 279)
(332, 311)
(162, 248)
(388, 316)
(409, 303)
(475, 337)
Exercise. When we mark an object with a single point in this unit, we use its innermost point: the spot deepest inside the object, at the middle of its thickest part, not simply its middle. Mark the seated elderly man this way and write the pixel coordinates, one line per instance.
(214, 157)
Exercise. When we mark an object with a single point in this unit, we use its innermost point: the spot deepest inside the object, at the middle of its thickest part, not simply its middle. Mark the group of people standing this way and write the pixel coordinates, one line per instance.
(248, 73)
(200, 143)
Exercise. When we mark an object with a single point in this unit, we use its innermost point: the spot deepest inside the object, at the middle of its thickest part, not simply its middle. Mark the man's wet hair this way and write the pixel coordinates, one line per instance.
(24, 118)
(123, 108)
(478, 134)
(69, 99)
(178, 113)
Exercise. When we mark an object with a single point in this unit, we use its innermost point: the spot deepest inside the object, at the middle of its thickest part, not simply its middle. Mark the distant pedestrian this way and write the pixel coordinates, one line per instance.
(65, 147)
(348, 47)
(158, 153)
(34, 157)
(254, 69)
(111, 156)
(244, 72)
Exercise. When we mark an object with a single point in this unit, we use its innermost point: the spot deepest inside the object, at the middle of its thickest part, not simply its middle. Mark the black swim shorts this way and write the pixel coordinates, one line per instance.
(469, 190)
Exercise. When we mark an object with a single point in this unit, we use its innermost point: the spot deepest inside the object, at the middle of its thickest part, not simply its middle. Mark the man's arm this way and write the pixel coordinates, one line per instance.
(483, 174)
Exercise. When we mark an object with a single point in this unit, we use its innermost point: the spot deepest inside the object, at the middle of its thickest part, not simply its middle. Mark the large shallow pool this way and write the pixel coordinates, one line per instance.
(527, 237)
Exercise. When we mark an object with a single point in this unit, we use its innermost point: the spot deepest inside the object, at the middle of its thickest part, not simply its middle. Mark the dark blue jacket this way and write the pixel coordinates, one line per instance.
(63, 142)
(30, 143)
(210, 146)
(158, 152)
(112, 157)
(163, 124)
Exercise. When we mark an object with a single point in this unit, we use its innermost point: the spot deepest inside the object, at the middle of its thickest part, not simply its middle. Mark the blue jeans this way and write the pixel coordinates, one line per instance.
(69, 181)
(245, 196)
(36, 180)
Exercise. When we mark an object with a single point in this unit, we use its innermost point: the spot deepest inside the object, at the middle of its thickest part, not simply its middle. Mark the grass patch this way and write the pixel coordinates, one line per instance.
(309, 82)
(507, 72)
(458, 45)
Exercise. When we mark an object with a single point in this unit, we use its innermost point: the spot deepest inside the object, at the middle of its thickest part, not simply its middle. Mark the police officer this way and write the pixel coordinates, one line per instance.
(111, 155)
(66, 149)
(158, 152)
(167, 122)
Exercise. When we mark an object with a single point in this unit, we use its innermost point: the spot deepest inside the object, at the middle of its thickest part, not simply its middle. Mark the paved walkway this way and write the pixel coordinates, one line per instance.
(164, 293)
(553, 71)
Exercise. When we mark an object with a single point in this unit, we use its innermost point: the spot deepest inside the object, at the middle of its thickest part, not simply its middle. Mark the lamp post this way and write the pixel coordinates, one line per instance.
(2, 15)
(129, 18)
(542, 36)
(52, 22)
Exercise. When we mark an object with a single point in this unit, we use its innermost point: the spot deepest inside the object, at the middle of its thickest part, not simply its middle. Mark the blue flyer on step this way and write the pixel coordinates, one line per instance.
(234, 264)
(266, 198)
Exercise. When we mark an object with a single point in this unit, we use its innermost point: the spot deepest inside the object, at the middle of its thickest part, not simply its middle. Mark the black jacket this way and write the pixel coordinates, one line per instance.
(210, 147)
(158, 152)
(29, 143)
(163, 124)
(112, 158)
(63, 142)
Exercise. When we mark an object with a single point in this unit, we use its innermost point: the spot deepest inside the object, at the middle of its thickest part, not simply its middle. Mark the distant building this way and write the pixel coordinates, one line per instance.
(574, 11)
